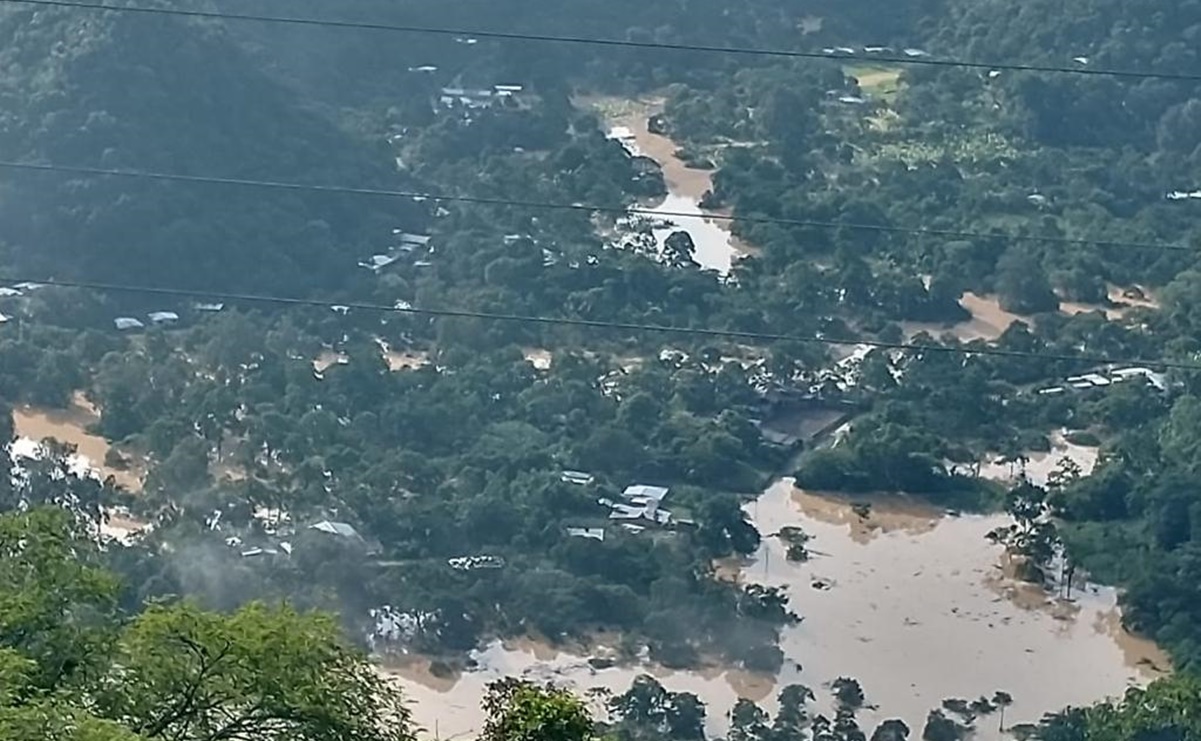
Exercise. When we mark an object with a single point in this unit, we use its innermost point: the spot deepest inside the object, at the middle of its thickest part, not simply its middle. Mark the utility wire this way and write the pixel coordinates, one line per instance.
(622, 43)
(592, 323)
(588, 208)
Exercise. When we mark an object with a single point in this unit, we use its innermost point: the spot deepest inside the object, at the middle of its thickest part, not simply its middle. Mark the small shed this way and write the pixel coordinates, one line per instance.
(594, 533)
(577, 477)
(340, 529)
(163, 317)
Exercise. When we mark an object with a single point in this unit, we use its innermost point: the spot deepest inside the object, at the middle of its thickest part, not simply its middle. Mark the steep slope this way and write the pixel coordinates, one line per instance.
(1152, 115)
(165, 94)
(355, 66)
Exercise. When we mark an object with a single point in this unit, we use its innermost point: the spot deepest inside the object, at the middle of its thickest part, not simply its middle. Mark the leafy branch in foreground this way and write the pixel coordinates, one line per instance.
(73, 669)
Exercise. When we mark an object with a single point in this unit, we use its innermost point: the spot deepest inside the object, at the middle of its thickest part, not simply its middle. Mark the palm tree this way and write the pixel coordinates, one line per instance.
(1002, 700)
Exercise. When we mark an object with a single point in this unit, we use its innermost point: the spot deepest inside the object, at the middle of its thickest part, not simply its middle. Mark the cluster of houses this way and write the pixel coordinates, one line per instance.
(477, 98)
(16, 291)
(162, 318)
(1105, 379)
(274, 532)
(407, 243)
(640, 507)
(392, 628)
(475, 563)
(847, 51)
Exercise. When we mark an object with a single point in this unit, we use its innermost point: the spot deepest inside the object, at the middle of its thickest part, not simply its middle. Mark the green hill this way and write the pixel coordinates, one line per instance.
(173, 95)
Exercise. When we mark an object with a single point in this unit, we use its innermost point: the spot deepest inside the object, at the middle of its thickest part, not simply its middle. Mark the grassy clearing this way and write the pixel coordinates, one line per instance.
(965, 149)
(877, 81)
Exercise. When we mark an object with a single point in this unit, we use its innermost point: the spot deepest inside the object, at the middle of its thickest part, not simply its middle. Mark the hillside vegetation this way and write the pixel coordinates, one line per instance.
(882, 201)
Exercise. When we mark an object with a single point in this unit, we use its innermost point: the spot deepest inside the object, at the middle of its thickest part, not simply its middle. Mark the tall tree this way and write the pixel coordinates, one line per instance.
(520, 711)
(76, 672)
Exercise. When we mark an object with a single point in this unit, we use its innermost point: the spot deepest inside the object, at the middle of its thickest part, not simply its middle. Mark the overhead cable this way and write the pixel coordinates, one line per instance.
(420, 196)
(766, 337)
(466, 34)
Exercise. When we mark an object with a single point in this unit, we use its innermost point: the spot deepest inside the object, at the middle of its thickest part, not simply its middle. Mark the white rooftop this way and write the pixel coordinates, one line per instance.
(595, 533)
(378, 262)
(643, 491)
(335, 528)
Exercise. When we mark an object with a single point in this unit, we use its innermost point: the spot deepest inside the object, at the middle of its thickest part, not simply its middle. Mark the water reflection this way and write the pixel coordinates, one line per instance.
(920, 610)
(716, 248)
(912, 603)
(70, 425)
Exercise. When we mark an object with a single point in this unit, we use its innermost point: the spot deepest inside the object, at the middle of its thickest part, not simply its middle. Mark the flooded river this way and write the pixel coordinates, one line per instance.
(989, 321)
(71, 426)
(716, 248)
(1038, 467)
(33, 426)
(910, 602)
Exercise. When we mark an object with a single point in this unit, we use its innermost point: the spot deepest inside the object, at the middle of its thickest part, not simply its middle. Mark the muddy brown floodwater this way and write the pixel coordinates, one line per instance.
(1038, 466)
(716, 248)
(912, 603)
(70, 425)
(989, 321)
(918, 610)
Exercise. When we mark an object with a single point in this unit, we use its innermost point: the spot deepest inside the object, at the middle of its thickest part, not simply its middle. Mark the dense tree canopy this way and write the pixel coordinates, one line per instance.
(464, 472)
(74, 667)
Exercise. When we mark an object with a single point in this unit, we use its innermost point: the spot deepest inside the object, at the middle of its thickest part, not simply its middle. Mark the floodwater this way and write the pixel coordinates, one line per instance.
(70, 426)
(539, 357)
(33, 426)
(397, 360)
(918, 610)
(989, 321)
(1122, 301)
(1038, 466)
(328, 359)
(912, 603)
(716, 248)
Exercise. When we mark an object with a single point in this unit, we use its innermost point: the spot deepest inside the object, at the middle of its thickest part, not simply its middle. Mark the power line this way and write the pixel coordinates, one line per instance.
(593, 323)
(589, 208)
(622, 43)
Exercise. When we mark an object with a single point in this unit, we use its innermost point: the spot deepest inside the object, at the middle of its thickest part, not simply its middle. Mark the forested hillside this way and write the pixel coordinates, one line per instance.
(171, 95)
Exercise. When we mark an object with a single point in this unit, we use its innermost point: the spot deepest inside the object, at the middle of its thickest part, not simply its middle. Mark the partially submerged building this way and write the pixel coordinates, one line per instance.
(593, 533)
(642, 505)
(578, 478)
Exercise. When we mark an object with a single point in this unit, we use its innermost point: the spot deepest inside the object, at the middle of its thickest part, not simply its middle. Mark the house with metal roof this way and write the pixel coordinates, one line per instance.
(377, 263)
(594, 533)
(577, 477)
(645, 493)
(340, 529)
